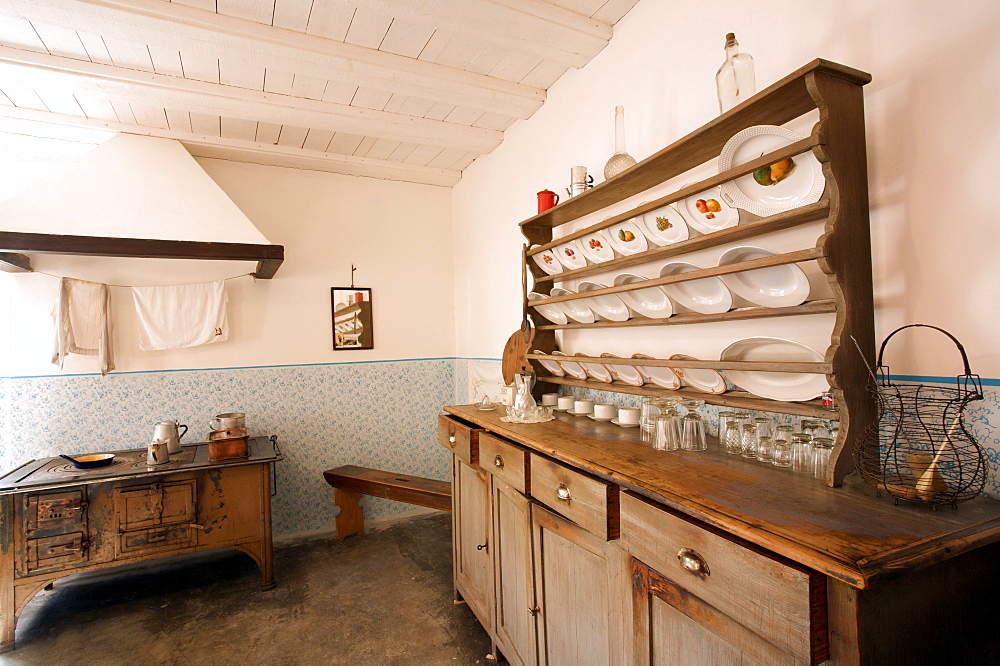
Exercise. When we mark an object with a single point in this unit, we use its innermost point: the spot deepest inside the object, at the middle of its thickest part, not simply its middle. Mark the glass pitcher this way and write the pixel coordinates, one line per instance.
(523, 400)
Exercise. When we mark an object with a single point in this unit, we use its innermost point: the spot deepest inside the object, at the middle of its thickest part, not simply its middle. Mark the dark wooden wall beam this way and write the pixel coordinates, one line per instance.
(268, 257)
(14, 263)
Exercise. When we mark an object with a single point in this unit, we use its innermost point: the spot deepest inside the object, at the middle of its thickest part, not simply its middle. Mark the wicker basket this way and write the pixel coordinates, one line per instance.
(918, 448)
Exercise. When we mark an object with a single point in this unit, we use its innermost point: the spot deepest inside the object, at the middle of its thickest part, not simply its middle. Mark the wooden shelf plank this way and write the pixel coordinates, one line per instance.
(268, 257)
(812, 307)
(734, 399)
(777, 104)
(753, 366)
(11, 262)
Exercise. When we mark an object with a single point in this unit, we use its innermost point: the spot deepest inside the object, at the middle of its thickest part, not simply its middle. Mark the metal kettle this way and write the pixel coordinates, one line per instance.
(169, 432)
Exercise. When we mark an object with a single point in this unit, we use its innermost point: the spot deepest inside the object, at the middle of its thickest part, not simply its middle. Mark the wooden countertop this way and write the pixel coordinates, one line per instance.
(846, 533)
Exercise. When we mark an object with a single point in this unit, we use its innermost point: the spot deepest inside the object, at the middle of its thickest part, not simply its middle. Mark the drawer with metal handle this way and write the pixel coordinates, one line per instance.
(55, 552)
(140, 542)
(775, 598)
(590, 503)
(461, 439)
(504, 460)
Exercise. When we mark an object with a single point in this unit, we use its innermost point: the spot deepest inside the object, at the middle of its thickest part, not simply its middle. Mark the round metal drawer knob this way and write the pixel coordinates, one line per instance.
(498, 461)
(451, 439)
(691, 561)
(562, 492)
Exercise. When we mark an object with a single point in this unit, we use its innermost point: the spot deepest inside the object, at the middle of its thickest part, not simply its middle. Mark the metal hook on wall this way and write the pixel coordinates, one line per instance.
(352, 275)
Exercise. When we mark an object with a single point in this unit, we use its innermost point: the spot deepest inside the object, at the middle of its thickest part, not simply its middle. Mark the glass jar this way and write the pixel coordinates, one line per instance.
(822, 448)
(765, 449)
(763, 425)
(802, 453)
(733, 439)
(725, 417)
(693, 433)
(782, 453)
(749, 440)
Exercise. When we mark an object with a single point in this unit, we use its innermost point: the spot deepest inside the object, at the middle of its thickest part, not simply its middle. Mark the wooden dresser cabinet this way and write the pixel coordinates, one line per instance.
(575, 543)
(56, 521)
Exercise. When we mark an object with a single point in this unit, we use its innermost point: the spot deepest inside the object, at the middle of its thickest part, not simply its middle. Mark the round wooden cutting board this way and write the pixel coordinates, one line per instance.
(514, 357)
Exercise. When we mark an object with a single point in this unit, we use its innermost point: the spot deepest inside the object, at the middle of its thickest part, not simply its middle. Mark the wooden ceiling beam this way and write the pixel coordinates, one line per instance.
(40, 71)
(187, 29)
(257, 153)
(268, 257)
(11, 262)
(530, 26)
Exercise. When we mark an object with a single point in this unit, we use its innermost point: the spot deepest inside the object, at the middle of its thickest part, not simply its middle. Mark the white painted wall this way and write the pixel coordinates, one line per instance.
(932, 144)
(397, 234)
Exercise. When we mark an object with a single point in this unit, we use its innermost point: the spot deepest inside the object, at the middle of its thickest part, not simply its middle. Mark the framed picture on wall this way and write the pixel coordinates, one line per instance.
(352, 318)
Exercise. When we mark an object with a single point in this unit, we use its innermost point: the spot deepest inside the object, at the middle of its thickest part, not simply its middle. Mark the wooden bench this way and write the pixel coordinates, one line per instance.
(351, 482)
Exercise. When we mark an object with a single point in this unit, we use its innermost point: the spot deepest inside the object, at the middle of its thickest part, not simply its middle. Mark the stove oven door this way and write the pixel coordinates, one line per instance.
(54, 531)
(154, 517)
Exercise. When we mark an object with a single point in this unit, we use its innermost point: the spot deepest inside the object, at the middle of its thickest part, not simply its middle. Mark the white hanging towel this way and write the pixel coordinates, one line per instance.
(83, 322)
(179, 316)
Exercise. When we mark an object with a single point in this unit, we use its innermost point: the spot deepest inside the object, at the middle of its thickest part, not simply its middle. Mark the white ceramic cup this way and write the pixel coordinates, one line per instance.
(566, 402)
(604, 410)
(583, 406)
(550, 399)
(628, 415)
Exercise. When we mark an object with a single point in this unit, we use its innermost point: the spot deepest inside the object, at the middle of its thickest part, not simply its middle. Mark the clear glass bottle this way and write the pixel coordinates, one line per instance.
(621, 160)
(735, 79)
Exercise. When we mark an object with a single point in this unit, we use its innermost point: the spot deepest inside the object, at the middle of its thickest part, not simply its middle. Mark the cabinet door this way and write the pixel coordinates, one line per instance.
(515, 591)
(473, 562)
(672, 626)
(577, 593)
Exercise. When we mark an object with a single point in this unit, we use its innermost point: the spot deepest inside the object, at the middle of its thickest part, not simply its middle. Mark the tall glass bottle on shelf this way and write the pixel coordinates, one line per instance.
(621, 160)
(735, 79)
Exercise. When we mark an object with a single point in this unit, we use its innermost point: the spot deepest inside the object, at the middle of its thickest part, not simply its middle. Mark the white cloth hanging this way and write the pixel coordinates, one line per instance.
(188, 315)
(83, 322)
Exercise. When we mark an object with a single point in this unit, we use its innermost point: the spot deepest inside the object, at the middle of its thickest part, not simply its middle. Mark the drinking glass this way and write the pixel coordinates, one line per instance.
(802, 453)
(693, 437)
(782, 453)
(733, 439)
(725, 417)
(763, 425)
(822, 448)
(667, 437)
(750, 442)
(765, 449)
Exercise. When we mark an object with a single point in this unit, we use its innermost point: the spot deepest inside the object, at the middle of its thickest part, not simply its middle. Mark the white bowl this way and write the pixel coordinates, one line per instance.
(706, 295)
(609, 306)
(550, 311)
(664, 226)
(651, 302)
(577, 309)
(662, 377)
(783, 386)
(774, 287)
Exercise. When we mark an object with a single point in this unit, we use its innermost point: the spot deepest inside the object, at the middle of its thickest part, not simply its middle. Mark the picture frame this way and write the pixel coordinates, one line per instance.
(351, 309)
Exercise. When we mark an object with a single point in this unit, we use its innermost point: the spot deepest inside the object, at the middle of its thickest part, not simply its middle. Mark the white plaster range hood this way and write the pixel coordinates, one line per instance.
(131, 196)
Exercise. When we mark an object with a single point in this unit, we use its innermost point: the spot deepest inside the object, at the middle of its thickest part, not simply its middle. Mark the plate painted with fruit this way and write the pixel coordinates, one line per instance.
(707, 211)
(626, 238)
(664, 226)
(570, 254)
(596, 247)
(548, 262)
(774, 188)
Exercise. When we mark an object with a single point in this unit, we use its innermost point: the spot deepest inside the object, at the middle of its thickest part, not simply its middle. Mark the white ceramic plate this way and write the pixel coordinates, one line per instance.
(774, 287)
(627, 238)
(596, 370)
(707, 380)
(651, 302)
(664, 226)
(551, 366)
(662, 377)
(707, 295)
(548, 262)
(624, 425)
(784, 386)
(571, 368)
(550, 311)
(803, 184)
(609, 306)
(595, 418)
(623, 373)
(577, 310)
(707, 211)
(570, 254)
(596, 247)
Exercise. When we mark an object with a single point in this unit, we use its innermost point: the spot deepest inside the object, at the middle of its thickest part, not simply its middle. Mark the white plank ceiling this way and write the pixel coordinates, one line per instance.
(409, 90)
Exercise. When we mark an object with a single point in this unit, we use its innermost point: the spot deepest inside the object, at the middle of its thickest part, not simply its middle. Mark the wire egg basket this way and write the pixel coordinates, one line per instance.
(918, 448)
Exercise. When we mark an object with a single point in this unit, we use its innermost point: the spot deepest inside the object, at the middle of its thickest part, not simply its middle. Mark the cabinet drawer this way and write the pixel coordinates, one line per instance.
(504, 460)
(461, 439)
(55, 552)
(142, 542)
(590, 503)
(775, 598)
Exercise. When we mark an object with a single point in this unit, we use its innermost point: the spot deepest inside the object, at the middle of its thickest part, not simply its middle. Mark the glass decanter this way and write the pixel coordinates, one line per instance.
(621, 160)
(735, 79)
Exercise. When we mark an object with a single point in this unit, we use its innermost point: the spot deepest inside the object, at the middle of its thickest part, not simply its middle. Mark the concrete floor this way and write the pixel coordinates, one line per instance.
(381, 598)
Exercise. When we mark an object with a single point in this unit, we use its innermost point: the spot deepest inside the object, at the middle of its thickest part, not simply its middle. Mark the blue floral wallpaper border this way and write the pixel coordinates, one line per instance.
(377, 414)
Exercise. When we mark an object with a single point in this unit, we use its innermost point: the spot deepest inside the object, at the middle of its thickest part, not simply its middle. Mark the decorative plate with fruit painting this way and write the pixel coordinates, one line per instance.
(664, 226)
(626, 238)
(548, 262)
(596, 247)
(571, 255)
(774, 188)
(707, 211)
